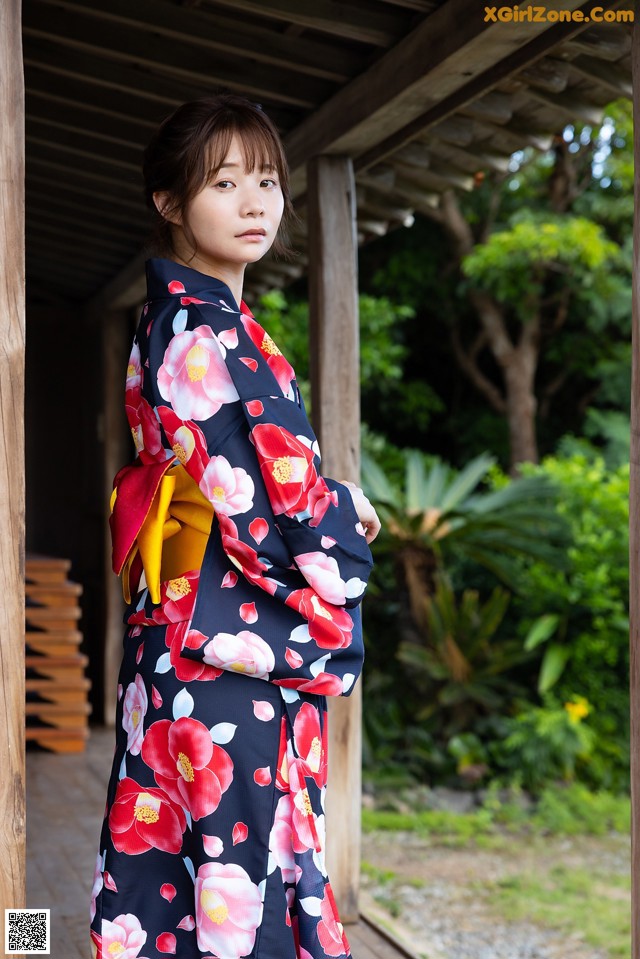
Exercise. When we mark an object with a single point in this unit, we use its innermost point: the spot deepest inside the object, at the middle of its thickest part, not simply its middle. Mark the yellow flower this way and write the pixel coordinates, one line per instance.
(577, 711)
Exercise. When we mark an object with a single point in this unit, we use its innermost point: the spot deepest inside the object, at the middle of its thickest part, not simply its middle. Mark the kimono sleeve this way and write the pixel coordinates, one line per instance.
(315, 515)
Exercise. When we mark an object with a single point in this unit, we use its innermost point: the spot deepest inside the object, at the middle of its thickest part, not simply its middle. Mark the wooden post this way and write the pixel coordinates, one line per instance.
(634, 520)
(12, 334)
(334, 344)
(118, 450)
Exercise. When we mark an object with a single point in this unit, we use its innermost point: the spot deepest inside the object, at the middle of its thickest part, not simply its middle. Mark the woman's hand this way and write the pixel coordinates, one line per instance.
(366, 513)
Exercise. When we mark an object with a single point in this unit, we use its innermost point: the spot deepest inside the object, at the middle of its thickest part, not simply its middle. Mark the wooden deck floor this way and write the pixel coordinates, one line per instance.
(65, 799)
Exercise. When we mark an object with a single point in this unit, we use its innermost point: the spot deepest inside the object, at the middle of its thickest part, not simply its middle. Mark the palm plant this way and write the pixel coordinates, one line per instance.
(441, 515)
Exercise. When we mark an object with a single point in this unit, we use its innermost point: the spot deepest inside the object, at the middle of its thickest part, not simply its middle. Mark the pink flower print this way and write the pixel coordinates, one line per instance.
(323, 575)
(293, 658)
(263, 710)
(258, 529)
(248, 612)
(124, 937)
(166, 942)
(187, 922)
(250, 363)
(134, 710)
(193, 376)
(134, 369)
(330, 931)
(156, 698)
(168, 891)
(229, 489)
(192, 770)
(239, 833)
(281, 840)
(246, 652)
(213, 846)
(229, 581)
(228, 910)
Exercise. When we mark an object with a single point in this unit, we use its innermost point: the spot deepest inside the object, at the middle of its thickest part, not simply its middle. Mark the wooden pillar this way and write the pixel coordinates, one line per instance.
(118, 450)
(12, 336)
(634, 519)
(334, 344)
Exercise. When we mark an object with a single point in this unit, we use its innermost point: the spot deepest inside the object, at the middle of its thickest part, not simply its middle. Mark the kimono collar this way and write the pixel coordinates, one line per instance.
(167, 279)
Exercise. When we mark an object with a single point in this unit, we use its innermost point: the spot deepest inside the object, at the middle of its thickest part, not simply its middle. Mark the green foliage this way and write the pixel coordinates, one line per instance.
(570, 810)
(545, 743)
(589, 597)
(515, 264)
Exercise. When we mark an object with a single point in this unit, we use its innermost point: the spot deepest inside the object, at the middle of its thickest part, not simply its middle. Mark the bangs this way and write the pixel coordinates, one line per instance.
(259, 150)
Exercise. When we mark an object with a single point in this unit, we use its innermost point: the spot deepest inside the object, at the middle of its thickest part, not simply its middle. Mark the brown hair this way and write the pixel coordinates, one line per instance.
(190, 146)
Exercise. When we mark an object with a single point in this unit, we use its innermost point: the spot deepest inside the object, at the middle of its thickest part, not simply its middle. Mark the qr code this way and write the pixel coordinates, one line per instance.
(27, 931)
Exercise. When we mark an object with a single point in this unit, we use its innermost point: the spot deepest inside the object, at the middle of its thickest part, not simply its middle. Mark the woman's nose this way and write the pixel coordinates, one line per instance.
(253, 203)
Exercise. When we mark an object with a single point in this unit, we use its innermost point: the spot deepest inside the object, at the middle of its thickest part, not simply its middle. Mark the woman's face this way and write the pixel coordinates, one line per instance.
(234, 219)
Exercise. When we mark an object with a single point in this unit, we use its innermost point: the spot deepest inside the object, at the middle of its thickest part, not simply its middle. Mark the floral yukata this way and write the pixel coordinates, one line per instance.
(213, 838)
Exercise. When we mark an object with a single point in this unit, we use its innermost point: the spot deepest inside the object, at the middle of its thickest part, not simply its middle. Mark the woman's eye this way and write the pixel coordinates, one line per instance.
(269, 182)
(224, 184)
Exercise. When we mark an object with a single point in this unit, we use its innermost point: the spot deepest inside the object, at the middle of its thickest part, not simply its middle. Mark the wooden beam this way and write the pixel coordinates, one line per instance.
(315, 57)
(490, 71)
(335, 384)
(397, 93)
(12, 339)
(634, 523)
(171, 57)
(335, 17)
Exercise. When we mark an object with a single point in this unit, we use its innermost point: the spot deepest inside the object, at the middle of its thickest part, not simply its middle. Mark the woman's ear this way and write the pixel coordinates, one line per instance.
(162, 200)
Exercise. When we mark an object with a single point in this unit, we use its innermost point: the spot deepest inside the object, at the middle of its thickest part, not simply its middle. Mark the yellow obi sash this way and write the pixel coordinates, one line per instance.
(160, 523)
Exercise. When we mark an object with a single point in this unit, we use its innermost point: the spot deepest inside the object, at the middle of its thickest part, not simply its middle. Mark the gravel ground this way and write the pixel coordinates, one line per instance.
(437, 903)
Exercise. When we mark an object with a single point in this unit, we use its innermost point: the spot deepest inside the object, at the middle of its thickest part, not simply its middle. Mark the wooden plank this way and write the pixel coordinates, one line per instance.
(467, 93)
(334, 347)
(172, 57)
(634, 523)
(456, 44)
(12, 339)
(335, 17)
(315, 57)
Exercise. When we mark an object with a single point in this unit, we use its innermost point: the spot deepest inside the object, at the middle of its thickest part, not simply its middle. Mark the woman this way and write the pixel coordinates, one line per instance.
(243, 568)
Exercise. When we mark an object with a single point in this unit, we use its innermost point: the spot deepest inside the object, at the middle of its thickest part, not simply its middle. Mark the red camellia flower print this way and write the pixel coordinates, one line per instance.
(287, 468)
(142, 819)
(166, 942)
(177, 637)
(239, 833)
(277, 363)
(187, 441)
(186, 763)
(329, 625)
(309, 744)
(177, 599)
